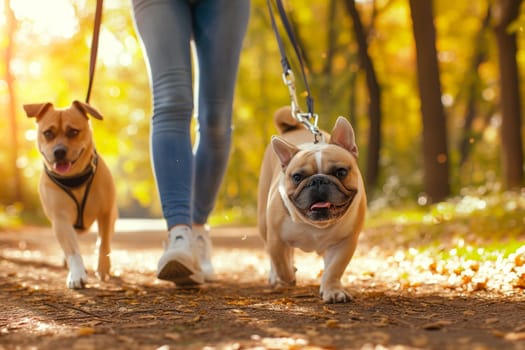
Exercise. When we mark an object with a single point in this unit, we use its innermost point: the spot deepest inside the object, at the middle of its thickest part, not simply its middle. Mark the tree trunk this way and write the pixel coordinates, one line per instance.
(511, 141)
(472, 84)
(374, 93)
(11, 102)
(435, 150)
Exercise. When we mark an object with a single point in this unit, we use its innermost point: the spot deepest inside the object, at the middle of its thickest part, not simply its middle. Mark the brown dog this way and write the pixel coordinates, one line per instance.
(76, 187)
(311, 196)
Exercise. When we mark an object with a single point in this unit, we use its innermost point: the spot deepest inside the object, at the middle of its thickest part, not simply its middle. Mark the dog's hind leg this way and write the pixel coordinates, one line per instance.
(106, 228)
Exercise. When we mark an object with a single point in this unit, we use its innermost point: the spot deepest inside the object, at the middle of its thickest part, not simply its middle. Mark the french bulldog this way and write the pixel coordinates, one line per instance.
(76, 187)
(311, 196)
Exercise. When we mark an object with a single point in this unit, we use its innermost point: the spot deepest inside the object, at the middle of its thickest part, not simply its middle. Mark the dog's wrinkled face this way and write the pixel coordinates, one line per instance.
(319, 181)
(64, 136)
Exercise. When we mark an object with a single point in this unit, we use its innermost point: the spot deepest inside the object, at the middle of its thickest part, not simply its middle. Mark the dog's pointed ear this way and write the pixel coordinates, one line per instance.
(36, 110)
(343, 135)
(284, 150)
(87, 110)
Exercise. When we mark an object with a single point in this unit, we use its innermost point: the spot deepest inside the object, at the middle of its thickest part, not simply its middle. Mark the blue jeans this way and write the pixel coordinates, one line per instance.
(188, 180)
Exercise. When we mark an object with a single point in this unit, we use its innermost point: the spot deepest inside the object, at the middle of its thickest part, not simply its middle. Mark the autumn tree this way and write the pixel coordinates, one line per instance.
(505, 12)
(473, 83)
(435, 150)
(16, 184)
(374, 94)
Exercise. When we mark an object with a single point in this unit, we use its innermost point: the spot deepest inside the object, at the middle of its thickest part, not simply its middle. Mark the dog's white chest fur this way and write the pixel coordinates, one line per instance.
(304, 237)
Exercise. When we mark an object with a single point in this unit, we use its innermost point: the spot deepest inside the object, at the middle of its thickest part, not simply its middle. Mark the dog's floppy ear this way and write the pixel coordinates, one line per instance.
(36, 109)
(86, 109)
(343, 135)
(284, 150)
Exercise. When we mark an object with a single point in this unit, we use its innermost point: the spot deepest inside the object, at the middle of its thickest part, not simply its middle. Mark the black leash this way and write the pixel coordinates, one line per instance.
(94, 47)
(309, 119)
(67, 184)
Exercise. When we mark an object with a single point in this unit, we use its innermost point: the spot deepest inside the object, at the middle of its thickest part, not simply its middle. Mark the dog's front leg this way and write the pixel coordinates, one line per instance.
(282, 271)
(67, 237)
(336, 259)
(106, 227)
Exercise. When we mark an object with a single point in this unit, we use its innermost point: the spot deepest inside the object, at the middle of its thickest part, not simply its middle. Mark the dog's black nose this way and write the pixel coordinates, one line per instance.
(60, 153)
(318, 181)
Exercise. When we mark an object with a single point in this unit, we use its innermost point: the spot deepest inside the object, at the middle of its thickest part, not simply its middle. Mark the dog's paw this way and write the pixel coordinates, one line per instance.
(282, 286)
(276, 281)
(335, 295)
(104, 265)
(279, 284)
(77, 276)
(76, 281)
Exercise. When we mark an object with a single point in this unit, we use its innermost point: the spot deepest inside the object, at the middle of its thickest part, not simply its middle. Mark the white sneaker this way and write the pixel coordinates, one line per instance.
(179, 262)
(201, 236)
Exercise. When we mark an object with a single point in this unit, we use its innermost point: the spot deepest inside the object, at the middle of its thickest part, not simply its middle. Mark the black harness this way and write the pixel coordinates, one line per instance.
(69, 183)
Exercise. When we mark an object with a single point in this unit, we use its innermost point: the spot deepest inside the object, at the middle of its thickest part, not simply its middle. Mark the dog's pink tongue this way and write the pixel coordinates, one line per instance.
(321, 205)
(62, 168)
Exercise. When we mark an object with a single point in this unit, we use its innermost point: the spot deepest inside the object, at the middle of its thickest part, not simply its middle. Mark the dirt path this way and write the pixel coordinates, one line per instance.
(136, 311)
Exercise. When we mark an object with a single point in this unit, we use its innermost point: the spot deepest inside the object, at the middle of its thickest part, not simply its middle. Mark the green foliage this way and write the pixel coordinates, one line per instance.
(475, 225)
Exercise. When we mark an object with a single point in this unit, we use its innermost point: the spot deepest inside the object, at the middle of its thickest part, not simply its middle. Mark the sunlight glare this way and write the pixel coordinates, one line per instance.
(35, 69)
(50, 18)
(112, 51)
(30, 135)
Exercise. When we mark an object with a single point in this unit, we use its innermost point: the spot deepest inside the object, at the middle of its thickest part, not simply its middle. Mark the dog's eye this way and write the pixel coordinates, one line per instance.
(341, 173)
(297, 177)
(48, 134)
(70, 133)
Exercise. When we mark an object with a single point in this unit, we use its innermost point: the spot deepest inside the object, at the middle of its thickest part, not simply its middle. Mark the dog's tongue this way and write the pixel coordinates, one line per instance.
(62, 167)
(321, 205)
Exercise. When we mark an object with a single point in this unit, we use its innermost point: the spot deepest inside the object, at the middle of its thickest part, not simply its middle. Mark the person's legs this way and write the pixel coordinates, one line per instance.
(219, 29)
(166, 28)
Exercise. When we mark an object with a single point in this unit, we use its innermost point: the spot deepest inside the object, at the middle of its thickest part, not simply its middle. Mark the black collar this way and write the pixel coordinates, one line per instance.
(75, 180)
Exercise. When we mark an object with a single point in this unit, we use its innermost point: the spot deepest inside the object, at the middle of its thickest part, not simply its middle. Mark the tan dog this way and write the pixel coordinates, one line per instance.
(76, 187)
(311, 196)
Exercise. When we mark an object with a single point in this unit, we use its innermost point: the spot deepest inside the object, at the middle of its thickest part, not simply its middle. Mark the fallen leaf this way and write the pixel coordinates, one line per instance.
(196, 319)
(433, 326)
(332, 323)
(481, 285)
(520, 282)
(382, 322)
(498, 333)
(85, 331)
(328, 310)
(515, 336)
(519, 260)
(172, 336)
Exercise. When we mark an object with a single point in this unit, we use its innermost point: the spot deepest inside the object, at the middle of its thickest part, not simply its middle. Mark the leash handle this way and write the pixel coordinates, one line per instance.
(94, 47)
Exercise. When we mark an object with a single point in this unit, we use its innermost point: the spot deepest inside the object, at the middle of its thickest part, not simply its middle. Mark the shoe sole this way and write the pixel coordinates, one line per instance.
(179, 274)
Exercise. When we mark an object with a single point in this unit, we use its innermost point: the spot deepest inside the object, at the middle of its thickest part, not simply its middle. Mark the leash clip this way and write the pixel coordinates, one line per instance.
(289, 80)
(308, 120)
